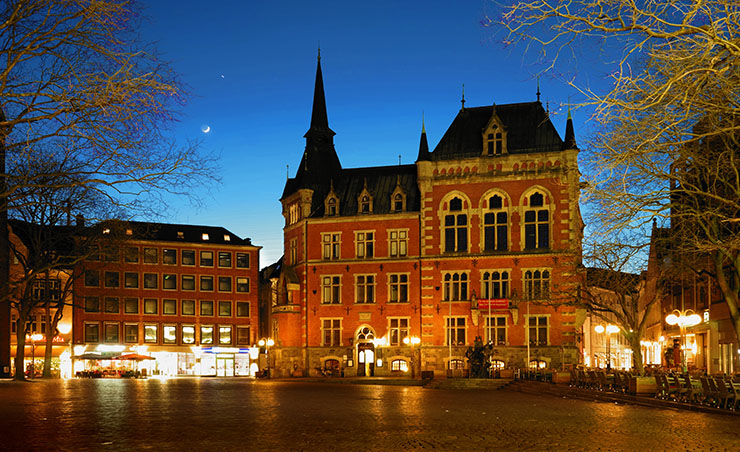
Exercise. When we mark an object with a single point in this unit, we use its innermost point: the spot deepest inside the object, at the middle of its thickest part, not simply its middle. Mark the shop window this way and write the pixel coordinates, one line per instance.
(206, 335)
(169, 334)
(188, 334)
(150, 333)
(399, 365)
(224, 335)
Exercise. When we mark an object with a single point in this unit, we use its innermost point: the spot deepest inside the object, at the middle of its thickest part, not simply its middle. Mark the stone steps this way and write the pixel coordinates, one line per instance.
(468, 383)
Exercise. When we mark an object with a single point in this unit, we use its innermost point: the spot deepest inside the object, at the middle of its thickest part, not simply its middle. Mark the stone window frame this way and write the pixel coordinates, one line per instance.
(486, 209)
(366, 292)
(445, 213)
(492, 329)
(334, 327)
(548, 207)
(365, 244)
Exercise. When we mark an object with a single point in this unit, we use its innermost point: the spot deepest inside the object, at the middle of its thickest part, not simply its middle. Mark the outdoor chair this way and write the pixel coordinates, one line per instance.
(682, 393)
(693, 394)
(710, 395)
(593, 380)
(725, 396)
(670, 390)
(660, 391)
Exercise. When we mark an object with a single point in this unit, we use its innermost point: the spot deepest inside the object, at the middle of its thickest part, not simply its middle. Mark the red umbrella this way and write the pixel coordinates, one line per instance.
(133, 357)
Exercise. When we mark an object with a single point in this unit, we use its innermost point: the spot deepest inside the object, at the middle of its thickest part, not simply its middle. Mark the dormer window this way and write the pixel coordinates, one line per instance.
(365, 204)
(494, 138)
(398, 199)
(332, 206)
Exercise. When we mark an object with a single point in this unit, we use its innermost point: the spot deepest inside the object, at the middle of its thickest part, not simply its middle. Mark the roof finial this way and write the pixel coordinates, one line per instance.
(538, 88)
(287, 171)
(319, 55)
(463, 96)
(399, 159)
(423, 128)
(569, 108)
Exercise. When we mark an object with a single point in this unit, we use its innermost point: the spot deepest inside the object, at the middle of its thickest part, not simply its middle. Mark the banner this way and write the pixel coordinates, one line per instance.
(493, 304)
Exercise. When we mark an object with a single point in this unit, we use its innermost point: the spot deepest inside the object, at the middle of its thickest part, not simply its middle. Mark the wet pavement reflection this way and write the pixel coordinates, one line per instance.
(238, 414)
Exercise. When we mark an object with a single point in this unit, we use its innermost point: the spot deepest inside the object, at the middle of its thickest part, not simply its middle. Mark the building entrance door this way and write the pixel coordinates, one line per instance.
(225, 366)
(365, 360)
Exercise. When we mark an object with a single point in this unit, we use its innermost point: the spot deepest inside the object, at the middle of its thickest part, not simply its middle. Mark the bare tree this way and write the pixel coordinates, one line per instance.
(78, 87)
(665, 140)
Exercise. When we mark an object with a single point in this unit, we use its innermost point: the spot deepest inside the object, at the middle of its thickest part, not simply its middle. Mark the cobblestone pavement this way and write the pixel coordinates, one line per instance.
(236, 414)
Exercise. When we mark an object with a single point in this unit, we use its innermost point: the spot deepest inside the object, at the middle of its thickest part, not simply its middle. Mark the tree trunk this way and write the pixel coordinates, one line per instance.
(637, 355)
(20, 336)
(50, 330)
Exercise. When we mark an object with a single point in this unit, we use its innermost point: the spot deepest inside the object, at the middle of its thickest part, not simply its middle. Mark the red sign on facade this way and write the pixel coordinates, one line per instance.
(498, 303)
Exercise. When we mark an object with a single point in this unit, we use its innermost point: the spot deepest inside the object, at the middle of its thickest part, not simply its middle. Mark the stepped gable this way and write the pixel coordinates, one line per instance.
(464, 137)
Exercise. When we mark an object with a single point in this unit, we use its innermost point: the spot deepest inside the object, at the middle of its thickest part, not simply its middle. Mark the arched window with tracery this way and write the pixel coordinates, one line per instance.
(496, 225)
(536, 223)
(455, 227)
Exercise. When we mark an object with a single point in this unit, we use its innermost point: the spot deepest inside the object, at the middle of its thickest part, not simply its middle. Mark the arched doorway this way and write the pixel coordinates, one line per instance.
(365, 351)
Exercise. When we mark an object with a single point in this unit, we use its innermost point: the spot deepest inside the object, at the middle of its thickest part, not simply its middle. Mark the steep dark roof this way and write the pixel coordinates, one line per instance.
(527, 125)
(611, 279)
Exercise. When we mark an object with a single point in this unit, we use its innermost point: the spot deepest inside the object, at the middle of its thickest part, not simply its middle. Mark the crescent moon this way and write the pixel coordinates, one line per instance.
(205, 128)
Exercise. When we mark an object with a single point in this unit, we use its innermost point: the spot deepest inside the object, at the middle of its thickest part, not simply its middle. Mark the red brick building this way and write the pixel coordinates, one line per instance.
(184, 295)
(478, 238)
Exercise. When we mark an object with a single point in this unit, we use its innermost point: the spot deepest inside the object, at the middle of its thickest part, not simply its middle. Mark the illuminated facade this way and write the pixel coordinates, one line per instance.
(479, 237)
(184, 295)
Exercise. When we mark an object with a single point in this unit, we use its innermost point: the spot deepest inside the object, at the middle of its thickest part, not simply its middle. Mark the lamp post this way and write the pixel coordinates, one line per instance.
(34, 337)
(267, 343)
(609, 329)
(683, 319)
(412, 340)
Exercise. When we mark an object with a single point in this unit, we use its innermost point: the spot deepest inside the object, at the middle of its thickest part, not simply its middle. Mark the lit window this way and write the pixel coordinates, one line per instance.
(398, 329)
(455, 286)
(494, 285)
(331, 332)
(206, 335)
(365, 244)
(331, 245)
(205, 236)
(224, 335)
(538, 329)
(496, 330)
(331, 289)
(399, 288)
(398, 243)
(537, 284)
(455, 330)
(364, 289)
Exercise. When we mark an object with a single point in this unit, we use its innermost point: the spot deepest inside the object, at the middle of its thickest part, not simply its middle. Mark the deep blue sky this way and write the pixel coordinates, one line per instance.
(250, 68)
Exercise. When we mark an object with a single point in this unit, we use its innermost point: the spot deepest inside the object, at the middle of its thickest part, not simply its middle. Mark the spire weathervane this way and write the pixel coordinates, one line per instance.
(463, 97)
(538, 88)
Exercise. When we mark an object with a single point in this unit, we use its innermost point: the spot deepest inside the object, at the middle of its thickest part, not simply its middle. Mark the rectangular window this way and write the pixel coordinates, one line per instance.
(224, 309)
(131, 255)
(364, 244)
(92, 278)
(224, 283)
(151, 256)
(495, 231)
(188, 334)
(169, 334)
(206, 308)
(112, 306)
(206, 258)
(398, 329)
(206, 335)
(46, 289)
(112, 280)
(92, 332)
(331, 245)
(169, 281)
(331, 289)
(293, 251)
(331, 332)
(131, 280)
(242, 260)
(242, 285)
(151, 280)
(92, 253)
(150, 333)
(496, 330)
(224, 335)
(111, 254)
(188, 282)
(455, 330)
(399, 288)
(242, 335)
(92, 304)
(538, 329)
(150, 306)
(364, 288)
(130, 305)
(398, 243)
(169, 307)
(111, 333)
(188, 257)
(455, 287)
(188, 307)
(242, 309)
(536, 284)
(224, 259)
(206, 283)
(169, 256)
(131, 333)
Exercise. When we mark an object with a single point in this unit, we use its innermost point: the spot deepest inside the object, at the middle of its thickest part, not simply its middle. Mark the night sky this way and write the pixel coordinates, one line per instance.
(250, 68)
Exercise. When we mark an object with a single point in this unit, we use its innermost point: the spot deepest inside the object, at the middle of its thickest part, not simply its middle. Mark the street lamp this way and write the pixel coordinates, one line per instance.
(683, 319)
(267, 343)
(609, 329)
(412, 340)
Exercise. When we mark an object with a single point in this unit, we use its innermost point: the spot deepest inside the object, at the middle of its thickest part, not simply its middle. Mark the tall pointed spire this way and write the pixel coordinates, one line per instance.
(538, 88)
(423, 144)
(570, 136)
(319, 119)
(320, 161)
